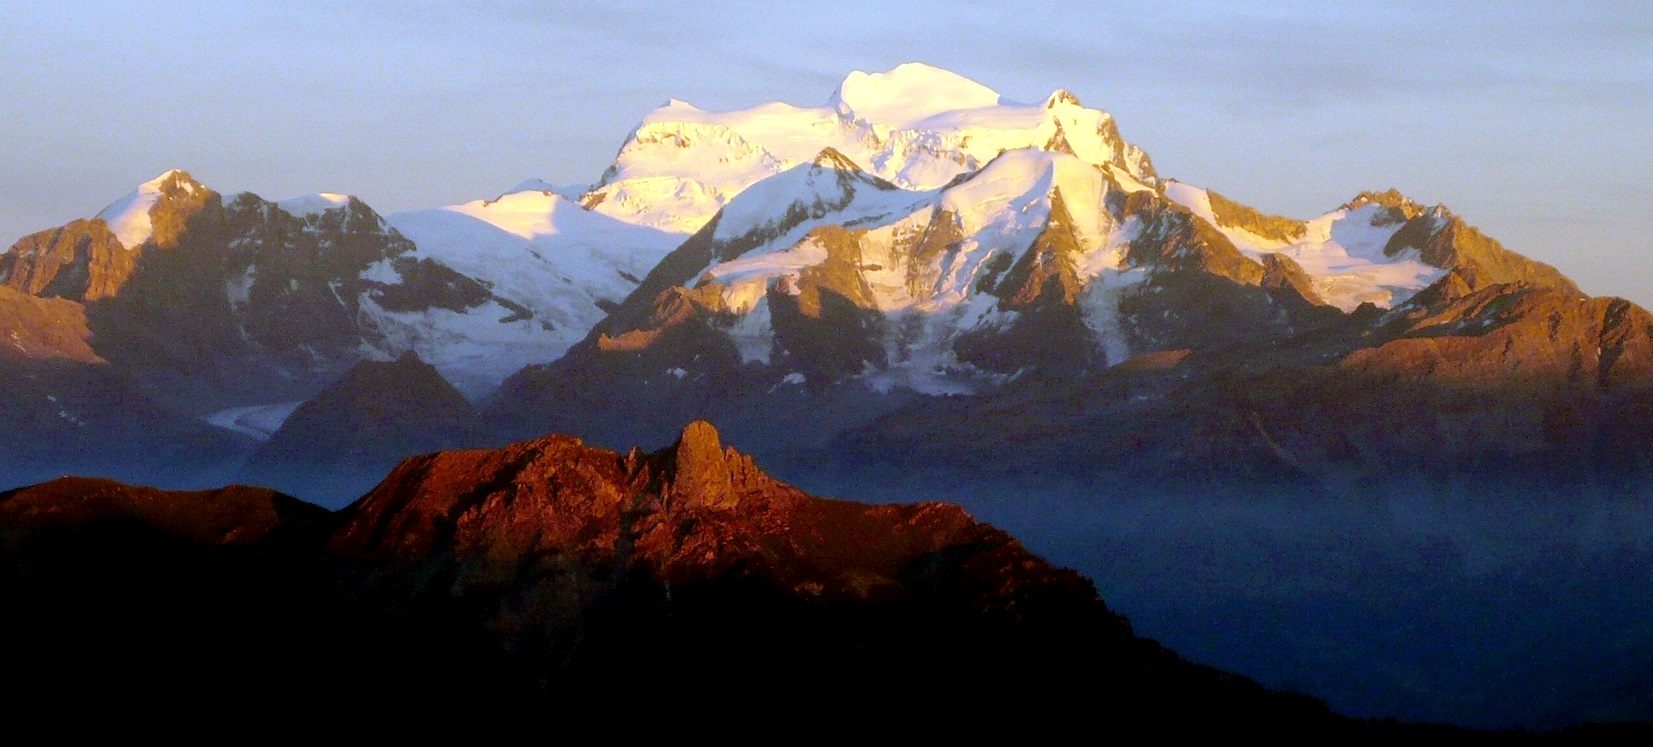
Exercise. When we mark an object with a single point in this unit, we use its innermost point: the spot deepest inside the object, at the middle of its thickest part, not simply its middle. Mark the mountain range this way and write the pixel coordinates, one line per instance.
(915, 248)
(918, 282)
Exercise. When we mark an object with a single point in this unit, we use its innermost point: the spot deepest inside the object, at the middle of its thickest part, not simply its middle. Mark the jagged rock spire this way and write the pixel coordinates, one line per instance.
(700, 469)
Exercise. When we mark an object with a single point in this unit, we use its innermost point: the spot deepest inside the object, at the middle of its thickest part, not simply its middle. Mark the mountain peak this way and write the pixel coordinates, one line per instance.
(129, 217)
(333, 446)
(908, 94)
(314, 204)
(1061, 96)
(832, 158)
(172, 178)
(542, 186)
(700, 441)
(1390, 198)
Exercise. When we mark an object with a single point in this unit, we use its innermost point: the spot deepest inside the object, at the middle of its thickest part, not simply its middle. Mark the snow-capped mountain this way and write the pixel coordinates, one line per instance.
(208, 301)
(1038, 263)
(917, 235)
(926, 198)
(839, 269)
(935, 266)
(1375, 249)
(916, 126)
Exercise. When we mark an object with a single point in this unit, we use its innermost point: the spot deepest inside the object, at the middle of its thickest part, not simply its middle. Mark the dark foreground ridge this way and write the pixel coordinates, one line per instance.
(550, 587)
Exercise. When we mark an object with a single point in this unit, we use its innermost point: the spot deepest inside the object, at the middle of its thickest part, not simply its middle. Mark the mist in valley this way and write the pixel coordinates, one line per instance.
(1463, 602)
(1525, 607)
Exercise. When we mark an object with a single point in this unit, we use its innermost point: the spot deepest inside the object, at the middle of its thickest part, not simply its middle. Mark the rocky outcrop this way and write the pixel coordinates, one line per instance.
(1173, 240)
(692, 510)
(1447, 241)
(36, 328)
(1047, 272)
(79, 261)
(1231, 214)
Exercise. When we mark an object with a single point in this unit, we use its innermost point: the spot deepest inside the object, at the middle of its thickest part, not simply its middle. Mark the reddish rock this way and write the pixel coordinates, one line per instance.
(37, 328)
(695, 511)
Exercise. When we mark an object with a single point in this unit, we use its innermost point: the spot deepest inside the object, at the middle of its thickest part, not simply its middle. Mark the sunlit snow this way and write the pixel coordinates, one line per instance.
(306, 205)
(539, 250)
(916, 126)
(128, 217)
(1342, 252)
(930, 300)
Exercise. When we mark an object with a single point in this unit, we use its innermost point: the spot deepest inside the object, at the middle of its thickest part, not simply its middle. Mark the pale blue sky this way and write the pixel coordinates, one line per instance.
(1532, 120)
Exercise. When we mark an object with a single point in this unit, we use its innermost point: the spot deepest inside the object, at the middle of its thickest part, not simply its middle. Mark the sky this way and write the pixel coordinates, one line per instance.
(1533, 121)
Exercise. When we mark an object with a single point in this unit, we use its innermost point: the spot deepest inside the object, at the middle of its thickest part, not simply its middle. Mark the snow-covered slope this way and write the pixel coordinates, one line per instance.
(916, 126)
(1000, 210)
(936, 263)
(129, 217)
(1342, 251)
(908, 94)
(918, 277)
(313, 204)
(557, 262)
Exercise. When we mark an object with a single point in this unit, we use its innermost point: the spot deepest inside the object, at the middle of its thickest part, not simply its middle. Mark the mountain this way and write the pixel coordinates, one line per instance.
(69, 417)
(64, 406)
(821, 280)
(205, 300)
(299, 290)
(537, 581)
(294, 300)
(164, 337)
(1515, 388)
(915, 126)
(379, 413)
(843, 294)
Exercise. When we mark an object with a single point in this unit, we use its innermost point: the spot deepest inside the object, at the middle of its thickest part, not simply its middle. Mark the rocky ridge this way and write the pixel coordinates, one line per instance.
(529, 582)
